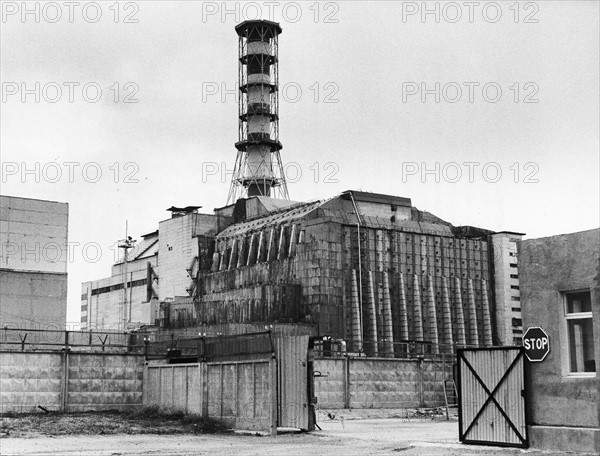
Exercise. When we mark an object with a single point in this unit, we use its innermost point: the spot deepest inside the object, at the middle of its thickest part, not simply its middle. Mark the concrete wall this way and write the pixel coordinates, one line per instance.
(33, 300)
(33, 235)
(549, 267)
(507, 288)
(33, 263)
(73, 382)
(379, 383)
(243, 393)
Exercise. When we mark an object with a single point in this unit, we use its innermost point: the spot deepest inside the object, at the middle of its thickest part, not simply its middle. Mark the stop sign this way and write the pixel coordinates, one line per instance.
(536, 343)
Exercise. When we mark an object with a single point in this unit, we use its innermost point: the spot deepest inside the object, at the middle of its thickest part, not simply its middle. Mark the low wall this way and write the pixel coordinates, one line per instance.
(70, 382)
(242, 393)
(380, 382)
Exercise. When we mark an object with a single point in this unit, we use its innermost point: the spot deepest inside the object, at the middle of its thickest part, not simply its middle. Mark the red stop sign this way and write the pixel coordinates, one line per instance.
(536, 343)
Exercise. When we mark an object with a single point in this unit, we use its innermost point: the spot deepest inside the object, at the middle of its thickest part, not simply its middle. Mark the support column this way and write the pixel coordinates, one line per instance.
(252, 255)
(472, 309)
(446, 318)
(292, 249)
(432, 315)
(388, 332)
(487, 322)
(417, 310)
(262, 248)
(372, 323)
(281, 252)
(404, 334)
(272, 246)
(461, 337)
(234, 255)
(242, 254)
(215, 262)
(357, 339)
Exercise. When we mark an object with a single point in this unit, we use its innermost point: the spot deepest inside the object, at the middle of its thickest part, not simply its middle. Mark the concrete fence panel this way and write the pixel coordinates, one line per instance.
(70, 382)
(174, 386)
(242, 393)
(379, 382)
(31, 379)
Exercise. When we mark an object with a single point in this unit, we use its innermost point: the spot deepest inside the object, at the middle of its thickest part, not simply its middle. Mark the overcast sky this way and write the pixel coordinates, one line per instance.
(511, 143)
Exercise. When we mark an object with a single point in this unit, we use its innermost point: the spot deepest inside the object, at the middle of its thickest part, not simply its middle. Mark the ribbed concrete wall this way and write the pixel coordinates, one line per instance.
(379, 383)
(103, 382)
(243, 393)
(75, 383)
(31, 379)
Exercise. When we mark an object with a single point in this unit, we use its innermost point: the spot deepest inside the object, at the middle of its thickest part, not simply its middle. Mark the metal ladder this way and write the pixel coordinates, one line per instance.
(450, 396)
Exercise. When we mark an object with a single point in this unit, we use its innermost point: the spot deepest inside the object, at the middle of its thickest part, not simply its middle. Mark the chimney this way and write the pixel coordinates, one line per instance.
(258, 168)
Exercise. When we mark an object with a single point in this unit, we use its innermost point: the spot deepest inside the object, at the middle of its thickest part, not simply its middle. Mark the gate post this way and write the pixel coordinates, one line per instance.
(204, 388)
(346, 382)
(420, 375)
(65, 375)
(274, 404)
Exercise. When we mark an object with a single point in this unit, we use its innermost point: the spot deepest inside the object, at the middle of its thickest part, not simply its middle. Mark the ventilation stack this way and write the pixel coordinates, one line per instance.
(258, 168)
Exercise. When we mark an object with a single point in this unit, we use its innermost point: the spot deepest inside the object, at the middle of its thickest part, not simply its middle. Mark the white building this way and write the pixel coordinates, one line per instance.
(33, 263)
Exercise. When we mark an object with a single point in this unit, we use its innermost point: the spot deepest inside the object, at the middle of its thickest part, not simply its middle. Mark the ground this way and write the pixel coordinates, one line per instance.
(351, 436)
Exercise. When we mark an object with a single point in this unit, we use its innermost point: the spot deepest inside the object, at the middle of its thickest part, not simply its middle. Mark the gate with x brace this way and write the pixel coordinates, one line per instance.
(492, 396)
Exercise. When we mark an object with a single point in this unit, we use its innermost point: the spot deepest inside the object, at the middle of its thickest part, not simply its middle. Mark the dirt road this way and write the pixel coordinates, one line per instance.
(347, 438)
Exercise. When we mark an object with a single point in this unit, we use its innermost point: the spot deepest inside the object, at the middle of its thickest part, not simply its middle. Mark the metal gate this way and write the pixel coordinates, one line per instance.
(491, 386)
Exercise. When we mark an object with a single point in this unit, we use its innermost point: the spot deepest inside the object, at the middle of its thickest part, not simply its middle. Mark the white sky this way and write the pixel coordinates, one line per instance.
(366, 50)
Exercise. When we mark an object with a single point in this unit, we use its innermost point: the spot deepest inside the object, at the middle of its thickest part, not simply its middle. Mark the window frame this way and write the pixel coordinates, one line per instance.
(566, 316)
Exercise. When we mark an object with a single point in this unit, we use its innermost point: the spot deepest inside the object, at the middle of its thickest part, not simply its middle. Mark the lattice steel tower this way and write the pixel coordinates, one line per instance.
(258, 169)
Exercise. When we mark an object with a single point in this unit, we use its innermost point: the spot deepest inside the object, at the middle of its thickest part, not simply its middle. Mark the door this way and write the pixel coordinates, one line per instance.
(491, 390)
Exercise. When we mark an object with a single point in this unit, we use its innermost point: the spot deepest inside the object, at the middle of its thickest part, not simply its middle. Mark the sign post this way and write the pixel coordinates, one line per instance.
(536, 343)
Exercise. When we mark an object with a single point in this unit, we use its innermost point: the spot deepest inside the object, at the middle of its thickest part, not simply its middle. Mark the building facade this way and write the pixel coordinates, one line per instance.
(159, 268)
(367, 268)
(560, 279)
(33, 263)
(507, 287)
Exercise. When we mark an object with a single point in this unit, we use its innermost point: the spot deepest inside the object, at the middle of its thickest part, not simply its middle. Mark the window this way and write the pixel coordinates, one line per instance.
(580, 332)
(514, 276)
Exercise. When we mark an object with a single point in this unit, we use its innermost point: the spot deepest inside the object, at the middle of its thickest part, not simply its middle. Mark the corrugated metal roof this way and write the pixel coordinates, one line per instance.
(295, 212)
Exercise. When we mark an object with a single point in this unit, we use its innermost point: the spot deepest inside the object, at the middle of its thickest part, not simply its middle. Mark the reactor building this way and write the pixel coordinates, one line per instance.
(370, 269)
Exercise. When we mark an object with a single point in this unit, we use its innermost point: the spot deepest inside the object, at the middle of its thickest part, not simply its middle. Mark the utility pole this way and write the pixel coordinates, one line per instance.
(126, 244)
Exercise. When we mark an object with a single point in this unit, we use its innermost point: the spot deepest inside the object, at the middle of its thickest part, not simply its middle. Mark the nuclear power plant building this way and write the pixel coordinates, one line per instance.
(365, 268)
